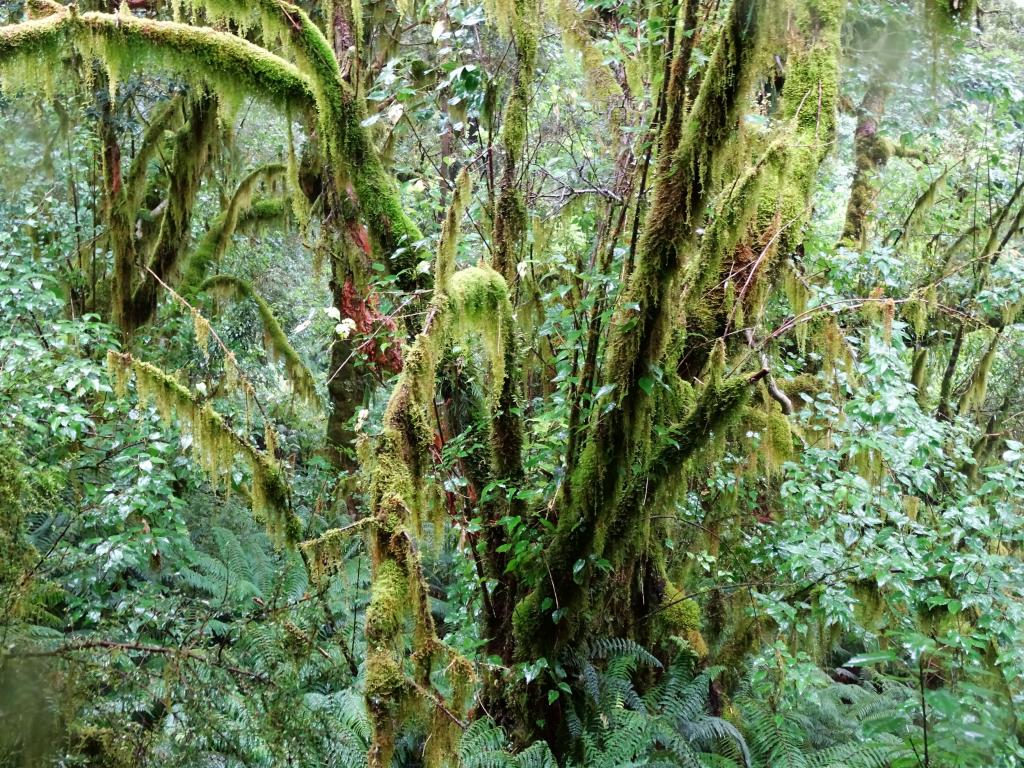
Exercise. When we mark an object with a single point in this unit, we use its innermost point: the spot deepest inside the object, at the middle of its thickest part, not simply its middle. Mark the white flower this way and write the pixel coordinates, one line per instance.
(361, 416)
(345, 327)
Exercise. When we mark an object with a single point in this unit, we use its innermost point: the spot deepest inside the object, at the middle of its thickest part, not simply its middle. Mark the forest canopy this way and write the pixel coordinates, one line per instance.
(554, 383)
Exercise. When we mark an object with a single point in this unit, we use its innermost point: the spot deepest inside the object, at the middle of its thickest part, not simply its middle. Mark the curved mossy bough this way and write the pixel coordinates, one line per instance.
(235, 68)
(241, 212)
(347, 146)
(277, 342)
(470, 303)
(214, 444)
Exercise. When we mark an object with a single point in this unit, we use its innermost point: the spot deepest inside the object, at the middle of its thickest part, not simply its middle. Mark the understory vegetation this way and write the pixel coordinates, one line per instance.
(552, 383)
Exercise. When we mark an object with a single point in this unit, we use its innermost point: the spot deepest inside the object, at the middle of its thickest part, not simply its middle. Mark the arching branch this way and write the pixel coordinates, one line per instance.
(239, 210)
(277, 342)
(230, 63)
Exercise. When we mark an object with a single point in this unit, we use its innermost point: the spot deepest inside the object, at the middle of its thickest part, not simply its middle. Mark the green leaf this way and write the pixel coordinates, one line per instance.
(870, 659)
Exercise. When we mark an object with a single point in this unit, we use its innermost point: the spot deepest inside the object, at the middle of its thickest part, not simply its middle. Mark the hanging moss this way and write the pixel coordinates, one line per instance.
(325, 555)
(772, 445)
(704, 302)
(919, 376)
(387, 603)
(234, 66)
(214, 444)
(762, 215)
(193, 146)
(278, 345)
(480, 305)
(950, 15)
(923, 204)
(474, 298)
(239, 211)
(510, 216)
(974, 395)
(346, 144)
(445, 261)
(167, 117)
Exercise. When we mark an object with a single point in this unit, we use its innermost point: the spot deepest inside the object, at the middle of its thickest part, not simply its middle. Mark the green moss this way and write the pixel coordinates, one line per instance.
(24, 46)
(510, 217)
(526, 622)
(193, 145)
(680, 615)
(233, 65)
(165, 118)
(950, 15)
(236, 67)
(17, 554)
(239, 211)
(325, 555)
(385, 691)
(602, 87)
(773, 443)
(214, 444)
(974, 395)
(681, 618)
(278, 345)
(444, 264)
(346, 143)
(919, 376)
(388, 603)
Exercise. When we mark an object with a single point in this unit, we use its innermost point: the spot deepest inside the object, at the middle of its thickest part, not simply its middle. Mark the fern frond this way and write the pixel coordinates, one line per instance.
(537, 755)
(606, 647)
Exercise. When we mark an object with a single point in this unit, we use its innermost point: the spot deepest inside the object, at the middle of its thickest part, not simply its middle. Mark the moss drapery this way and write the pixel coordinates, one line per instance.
(214, 443)
(470, 302)
(277, 343)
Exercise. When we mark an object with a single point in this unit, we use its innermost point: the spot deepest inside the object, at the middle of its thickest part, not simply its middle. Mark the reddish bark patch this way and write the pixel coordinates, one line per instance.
(380, 345)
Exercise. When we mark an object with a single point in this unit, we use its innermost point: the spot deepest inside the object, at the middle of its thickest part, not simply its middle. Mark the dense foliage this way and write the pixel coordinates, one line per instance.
(516, 384)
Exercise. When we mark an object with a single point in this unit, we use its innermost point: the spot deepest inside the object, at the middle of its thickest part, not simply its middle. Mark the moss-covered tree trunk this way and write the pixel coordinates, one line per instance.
(604, 570)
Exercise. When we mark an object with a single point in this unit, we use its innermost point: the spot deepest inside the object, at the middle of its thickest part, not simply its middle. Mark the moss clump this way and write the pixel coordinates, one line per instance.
(480, 305)
(526, 622)
(385, 693)
(388, 603)
(680, 617)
